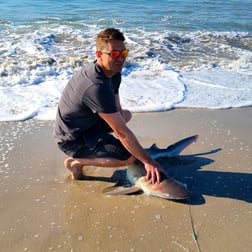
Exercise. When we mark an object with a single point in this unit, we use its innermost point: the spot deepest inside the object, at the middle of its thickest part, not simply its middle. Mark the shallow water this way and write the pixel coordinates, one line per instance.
(193, 54)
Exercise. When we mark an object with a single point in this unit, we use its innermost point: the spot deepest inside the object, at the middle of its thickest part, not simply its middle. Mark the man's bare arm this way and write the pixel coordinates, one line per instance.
(130, 142)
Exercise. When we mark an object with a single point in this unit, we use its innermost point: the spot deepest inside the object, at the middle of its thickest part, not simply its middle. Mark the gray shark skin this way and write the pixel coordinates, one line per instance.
(168, 188)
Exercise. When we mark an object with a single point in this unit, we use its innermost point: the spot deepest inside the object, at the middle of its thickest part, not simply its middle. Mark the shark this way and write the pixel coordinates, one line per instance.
(168, 188)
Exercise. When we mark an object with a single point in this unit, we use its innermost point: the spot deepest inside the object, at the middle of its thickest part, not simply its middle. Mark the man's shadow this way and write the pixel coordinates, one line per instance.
(187, 169)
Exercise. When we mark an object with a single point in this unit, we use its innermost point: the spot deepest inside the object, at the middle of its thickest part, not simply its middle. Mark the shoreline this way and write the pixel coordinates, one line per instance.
(41, 210)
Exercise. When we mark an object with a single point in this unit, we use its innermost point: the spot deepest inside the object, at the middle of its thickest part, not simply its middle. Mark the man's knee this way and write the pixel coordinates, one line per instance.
(126, 115)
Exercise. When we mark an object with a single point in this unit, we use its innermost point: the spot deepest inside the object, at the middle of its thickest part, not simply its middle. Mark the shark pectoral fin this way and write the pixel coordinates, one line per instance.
(121, 190)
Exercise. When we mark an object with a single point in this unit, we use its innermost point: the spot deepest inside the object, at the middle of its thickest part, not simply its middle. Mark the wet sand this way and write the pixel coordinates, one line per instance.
(41, 210)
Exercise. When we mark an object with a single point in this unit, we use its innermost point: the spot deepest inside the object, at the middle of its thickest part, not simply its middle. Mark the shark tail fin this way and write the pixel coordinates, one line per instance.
(179, 146)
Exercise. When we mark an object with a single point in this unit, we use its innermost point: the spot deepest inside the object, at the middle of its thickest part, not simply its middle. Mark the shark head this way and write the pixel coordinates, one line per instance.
(167, 189)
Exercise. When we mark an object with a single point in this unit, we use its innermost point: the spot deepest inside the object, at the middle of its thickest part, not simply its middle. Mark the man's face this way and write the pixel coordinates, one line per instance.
(109, 65)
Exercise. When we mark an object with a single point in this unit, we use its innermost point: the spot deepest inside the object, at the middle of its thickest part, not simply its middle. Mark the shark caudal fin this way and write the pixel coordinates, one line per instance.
(179, 146)
(172, 150)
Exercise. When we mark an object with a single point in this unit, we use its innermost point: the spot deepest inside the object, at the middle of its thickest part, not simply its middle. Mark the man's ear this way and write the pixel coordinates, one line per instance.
(98, 54)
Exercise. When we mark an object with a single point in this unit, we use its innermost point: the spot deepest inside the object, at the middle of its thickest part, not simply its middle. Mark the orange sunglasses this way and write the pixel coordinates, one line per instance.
(115, 54)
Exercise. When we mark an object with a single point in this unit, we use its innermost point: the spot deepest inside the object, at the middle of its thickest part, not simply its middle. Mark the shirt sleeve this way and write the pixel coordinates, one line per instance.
(100, 99)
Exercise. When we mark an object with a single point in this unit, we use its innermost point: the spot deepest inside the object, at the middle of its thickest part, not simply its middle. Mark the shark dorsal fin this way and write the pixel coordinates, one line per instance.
(154, 146)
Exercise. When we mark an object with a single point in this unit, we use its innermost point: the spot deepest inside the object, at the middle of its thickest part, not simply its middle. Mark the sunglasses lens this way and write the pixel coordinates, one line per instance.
(124, 53)
(115, 54)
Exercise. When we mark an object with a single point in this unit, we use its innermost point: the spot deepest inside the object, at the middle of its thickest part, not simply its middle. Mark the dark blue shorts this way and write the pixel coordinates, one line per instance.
(95, 145)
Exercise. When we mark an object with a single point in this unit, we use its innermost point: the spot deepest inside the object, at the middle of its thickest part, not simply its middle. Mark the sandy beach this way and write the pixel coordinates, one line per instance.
(42, 210)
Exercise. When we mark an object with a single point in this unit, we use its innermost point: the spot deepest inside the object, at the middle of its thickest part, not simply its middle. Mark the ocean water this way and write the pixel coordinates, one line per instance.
(183, 54)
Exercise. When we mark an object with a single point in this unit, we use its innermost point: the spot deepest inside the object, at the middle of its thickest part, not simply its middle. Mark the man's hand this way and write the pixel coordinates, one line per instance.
(154, 171)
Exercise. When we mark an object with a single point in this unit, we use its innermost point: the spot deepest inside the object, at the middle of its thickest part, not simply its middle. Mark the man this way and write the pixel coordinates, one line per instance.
(90, 109)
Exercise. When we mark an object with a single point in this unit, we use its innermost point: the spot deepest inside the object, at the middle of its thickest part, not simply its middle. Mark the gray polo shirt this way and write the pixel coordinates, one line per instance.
(87, 93)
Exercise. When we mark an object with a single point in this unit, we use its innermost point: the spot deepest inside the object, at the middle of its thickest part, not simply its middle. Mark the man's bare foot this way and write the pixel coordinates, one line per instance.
(75, 168)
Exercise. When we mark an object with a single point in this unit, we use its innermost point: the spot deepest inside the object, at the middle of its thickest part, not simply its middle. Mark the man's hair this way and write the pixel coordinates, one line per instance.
(106, 35)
